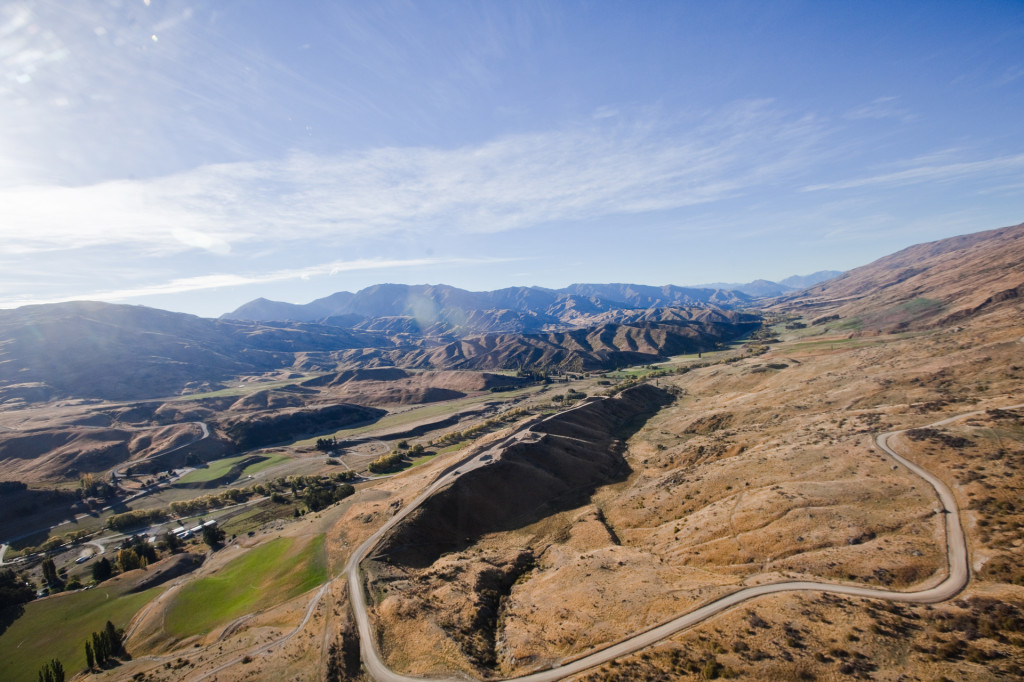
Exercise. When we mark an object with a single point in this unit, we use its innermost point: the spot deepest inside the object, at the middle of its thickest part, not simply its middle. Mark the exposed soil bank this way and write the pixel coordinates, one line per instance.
(557, 466)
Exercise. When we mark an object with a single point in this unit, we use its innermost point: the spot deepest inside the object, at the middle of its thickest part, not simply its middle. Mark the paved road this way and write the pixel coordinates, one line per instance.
(958, 575)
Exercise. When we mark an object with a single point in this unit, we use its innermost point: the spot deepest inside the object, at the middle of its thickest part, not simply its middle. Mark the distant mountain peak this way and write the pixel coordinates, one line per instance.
(763, 288)
(441, 308)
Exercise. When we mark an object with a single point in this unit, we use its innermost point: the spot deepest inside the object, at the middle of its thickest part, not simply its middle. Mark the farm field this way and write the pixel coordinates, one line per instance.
(58, 626)
(221, 467)
(267, 575)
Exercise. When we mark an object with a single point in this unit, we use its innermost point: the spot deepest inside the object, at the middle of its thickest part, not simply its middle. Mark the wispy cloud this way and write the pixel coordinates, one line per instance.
(594, 170)
(930, 172)
(880, 108)
(221, 281)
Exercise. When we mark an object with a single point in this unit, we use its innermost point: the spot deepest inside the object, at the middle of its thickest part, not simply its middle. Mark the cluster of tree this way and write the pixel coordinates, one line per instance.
(206, 502)
(52, 672)
(170, 542)
(570, 396)
(474, 431)
(135, 519)
(13, 590)
(764, 334)
(103, 646)
(319, 492)
(51, 543)
(91, 486)
(76, 536)
(414, 451)
(135, 552)
(389, 462)
(50, 576)
(323, 494)
(8, 487)
(102, 570)
(213, 536)
(534, 374)
(327, 444)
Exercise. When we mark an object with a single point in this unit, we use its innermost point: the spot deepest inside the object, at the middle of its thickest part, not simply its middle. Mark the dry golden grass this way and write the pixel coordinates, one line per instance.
(758, 473)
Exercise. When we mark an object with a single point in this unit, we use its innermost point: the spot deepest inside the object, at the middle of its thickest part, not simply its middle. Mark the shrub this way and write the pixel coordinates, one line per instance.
(135, 519)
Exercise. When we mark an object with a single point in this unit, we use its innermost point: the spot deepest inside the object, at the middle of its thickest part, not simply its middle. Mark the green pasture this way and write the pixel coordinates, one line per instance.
(58, 626)
(220, 467)
(267, 575)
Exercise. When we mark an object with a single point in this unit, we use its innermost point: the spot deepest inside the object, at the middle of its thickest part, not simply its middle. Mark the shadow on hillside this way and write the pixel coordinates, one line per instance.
(9, 615)
(559, 467)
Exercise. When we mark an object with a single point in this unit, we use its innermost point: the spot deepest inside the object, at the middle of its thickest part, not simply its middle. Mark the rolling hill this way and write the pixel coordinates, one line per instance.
(118, 352)
(923, 286)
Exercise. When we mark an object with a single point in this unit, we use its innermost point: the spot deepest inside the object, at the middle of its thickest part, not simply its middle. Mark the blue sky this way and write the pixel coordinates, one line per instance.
(194, 156)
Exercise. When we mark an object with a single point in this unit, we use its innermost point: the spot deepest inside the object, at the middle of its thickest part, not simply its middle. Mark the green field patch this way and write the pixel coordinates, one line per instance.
(631, 373)
(905, 314)
(849, 324)
(265, 576)
(228, 469)
(426, 458)
(268, 461)
(57, 627)
(453, 448)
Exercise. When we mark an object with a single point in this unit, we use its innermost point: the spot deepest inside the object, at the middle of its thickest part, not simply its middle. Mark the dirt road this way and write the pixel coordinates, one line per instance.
(958, 575)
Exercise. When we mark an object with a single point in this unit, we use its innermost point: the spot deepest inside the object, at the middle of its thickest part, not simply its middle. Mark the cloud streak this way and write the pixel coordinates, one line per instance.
(597, 169)
(932, 172)
(221, 281)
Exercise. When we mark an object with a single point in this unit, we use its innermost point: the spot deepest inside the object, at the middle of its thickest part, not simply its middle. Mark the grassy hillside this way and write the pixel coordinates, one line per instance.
(270, 574)
(58, 626)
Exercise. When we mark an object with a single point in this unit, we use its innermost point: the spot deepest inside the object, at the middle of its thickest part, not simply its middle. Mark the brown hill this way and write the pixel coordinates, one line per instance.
(926, 285)
(553, 465)
(606, 346)
(270, 427)
(393, 386)
(100, 350)
(118, 352)
(602, 347)
(68, 451)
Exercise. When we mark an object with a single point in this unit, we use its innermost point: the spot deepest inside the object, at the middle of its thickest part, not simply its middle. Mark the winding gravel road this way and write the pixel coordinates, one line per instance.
(204, 430)
(958, 575)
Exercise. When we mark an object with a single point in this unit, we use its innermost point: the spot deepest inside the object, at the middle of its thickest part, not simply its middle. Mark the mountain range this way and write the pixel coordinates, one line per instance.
(118, 352)
(438, 310)
(99, 350)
